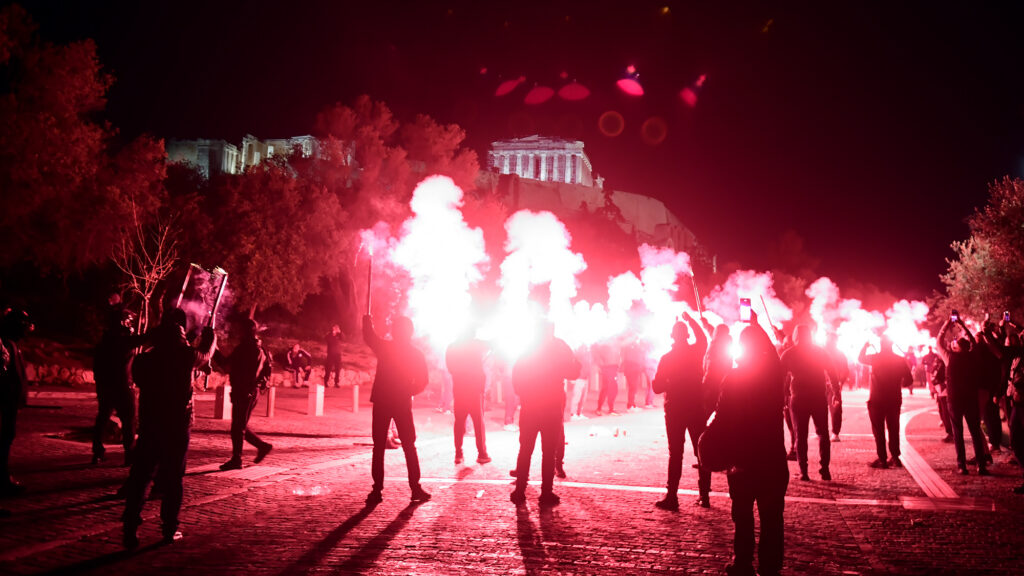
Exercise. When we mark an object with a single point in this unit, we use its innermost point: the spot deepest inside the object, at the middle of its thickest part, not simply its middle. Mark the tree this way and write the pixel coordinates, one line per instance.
(987, 273)
(276, 234)
(68, 198)
(146, 258)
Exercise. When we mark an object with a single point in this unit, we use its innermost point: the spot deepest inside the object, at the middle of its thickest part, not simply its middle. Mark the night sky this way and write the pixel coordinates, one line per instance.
(870, 131)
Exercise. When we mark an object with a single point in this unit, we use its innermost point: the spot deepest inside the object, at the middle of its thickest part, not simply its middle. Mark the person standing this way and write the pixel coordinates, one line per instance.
(634, 360)
(889, 373)
(750, 406)
(114, 393)
(164, 377)
(332, 368)
(679, 376)
(249, 372)
(809, 373)
(401, 374)
(465, 362)
(606, 356)
(841, 365)
(14, 326)
(962, 391)
(539, 379)
(580, 385)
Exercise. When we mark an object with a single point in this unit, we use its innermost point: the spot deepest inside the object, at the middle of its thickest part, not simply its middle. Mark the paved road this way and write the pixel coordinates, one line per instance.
(301, 511)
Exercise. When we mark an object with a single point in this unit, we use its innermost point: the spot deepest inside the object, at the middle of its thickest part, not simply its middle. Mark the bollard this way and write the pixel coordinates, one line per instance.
(355, 398)
(315, 404)
(271, 401)
(222, 403)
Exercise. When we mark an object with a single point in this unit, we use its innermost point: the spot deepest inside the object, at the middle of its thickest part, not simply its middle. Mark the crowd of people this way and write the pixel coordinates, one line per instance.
(749, 400)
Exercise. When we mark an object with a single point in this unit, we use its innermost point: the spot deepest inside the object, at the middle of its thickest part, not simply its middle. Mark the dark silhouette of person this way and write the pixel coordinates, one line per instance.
(465, 362)
(112, 373)
(717, 364)
(249, 370)
(991, 383)
(401, 374)
(164, 377)
(634, 360)
(889, 373)
(680, 377)
(809, 373)
(751, 407)
(332, 368)
(1014, 355)
(937, 381)
(539, 377)
(299, 363)
(14, 326)
(607, 356)
(962, 393)
(841, 364)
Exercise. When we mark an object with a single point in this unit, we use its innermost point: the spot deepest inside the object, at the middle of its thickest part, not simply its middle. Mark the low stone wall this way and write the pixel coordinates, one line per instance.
(55, 374)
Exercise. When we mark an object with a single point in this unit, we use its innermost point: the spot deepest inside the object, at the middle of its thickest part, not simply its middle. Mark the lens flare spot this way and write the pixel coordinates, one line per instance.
(538, 95)
(688, 96)
(630, 86)
(611, 123)
(654, 131)
(508, 86)
(573, 91)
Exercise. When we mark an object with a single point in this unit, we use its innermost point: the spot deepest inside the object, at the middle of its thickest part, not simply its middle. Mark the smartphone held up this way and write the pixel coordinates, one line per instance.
(744, 309)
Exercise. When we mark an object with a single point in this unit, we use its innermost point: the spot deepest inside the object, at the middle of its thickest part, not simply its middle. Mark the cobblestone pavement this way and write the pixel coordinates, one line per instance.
(301, 511)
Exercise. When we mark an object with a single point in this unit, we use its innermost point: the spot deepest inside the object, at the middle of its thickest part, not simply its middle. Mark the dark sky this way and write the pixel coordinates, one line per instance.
(872, 131)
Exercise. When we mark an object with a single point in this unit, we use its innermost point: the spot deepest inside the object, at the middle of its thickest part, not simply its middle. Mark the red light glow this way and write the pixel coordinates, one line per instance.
(630, 86)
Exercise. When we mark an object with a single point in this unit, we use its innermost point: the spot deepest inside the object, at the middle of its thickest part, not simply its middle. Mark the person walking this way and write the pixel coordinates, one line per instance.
(465, 362)
(679, 376)
(750, 407)
(539, 379)
(164, 377)
(114, 391)
(401, 374)
(249, 372)
(889, 373)
(809, 373)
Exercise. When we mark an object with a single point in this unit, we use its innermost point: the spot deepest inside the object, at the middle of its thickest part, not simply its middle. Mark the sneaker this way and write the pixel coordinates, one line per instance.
(483, 459)
(233, 464)
(458, 458)
(964, 471)
(835, 438)
(826, 475)
(549, 499)
(518, 497)
(948, 439)
(668, 503)
(172, 537)
(703, 502)
(419, 495)
(879, 463)
(375, 497)
(895, 462)
(613, 413)
(804, 477)
(261, 453)
(559, 471)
